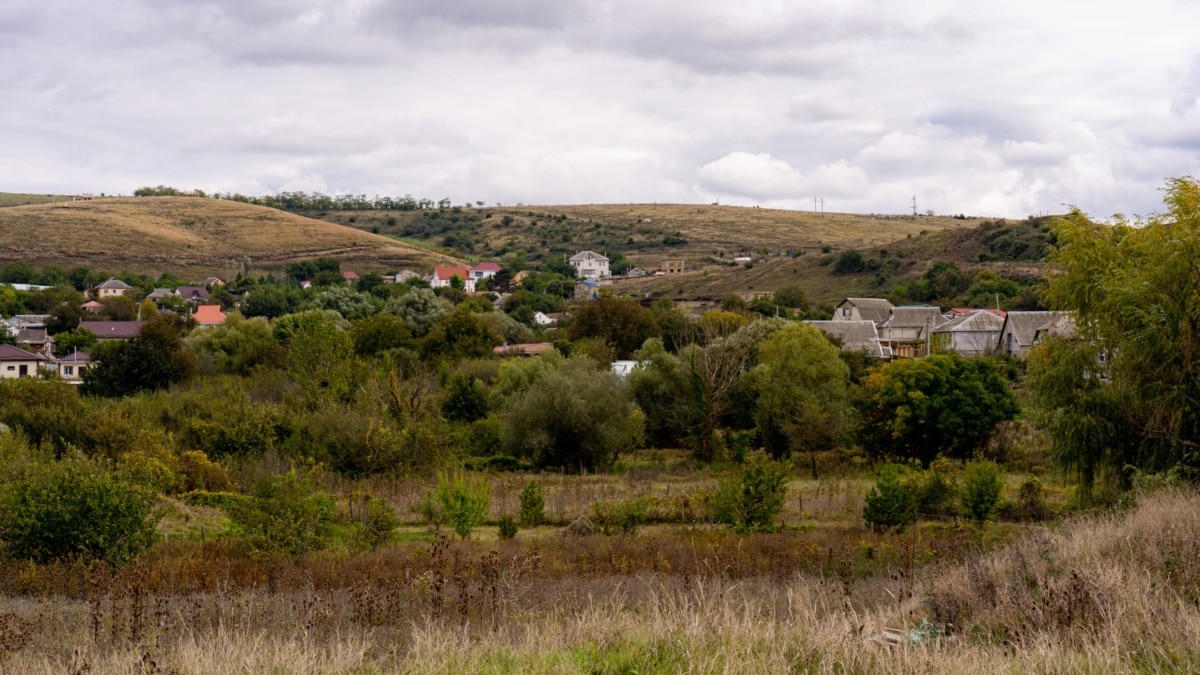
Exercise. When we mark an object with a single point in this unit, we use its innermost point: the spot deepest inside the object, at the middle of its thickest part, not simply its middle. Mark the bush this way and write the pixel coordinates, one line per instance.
(981, 490)
(891, 503)
(286, 515)
(73, 509)
(936, 490)
(625, 515)
(464, 499)
(508, 527)
(375, 518)
(533, 505)
(752, 502)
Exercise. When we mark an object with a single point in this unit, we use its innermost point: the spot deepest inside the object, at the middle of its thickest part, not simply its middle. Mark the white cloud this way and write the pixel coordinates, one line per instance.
(970, 107)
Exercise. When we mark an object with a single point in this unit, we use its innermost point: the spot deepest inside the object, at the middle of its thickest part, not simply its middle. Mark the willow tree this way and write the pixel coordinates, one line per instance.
(1134, 286)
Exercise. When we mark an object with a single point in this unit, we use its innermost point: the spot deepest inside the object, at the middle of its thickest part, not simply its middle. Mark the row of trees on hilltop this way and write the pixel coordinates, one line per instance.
(310, 201)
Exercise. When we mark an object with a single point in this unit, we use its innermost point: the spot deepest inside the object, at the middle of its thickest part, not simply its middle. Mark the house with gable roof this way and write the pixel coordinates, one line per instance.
(1020, 329)
(973, 334)
(111, 288)
(860, 335)
(16, 362)
(877, 310)
(442, 277)
(589, 265)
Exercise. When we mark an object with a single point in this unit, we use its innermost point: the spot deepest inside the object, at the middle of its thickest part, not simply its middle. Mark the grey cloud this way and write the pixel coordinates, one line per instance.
(1188, 90)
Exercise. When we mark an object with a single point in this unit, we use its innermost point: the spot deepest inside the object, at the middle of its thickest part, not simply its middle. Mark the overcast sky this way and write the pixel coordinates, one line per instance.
(984, 108)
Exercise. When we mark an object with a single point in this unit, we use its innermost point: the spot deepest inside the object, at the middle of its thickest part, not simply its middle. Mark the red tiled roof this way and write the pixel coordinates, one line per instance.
(209, 314)
(447, 273)
(487, 267)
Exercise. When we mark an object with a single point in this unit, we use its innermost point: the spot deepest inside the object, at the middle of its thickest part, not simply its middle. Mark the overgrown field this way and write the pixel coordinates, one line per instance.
(1112, 593)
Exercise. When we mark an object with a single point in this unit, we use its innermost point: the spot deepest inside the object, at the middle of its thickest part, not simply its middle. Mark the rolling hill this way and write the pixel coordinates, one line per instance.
(648, 234)
(191, 237)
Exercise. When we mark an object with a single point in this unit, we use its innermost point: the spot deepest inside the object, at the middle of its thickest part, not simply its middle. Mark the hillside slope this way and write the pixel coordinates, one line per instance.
(1013, 249)
(648, 234)
(191, 236)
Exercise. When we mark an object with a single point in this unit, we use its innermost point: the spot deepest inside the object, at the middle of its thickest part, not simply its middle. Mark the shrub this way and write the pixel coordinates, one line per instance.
(533, 505)
(891, 503)
(464, 499)
(375, 518)
(936, 490)
(623, 516)
(508, 527)
(752, 501)
(287, 515)
(73, 509)
(981, 490)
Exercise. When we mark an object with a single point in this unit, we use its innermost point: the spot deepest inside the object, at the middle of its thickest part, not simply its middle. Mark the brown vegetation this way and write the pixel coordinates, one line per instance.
(191, 237)
(1114, 593)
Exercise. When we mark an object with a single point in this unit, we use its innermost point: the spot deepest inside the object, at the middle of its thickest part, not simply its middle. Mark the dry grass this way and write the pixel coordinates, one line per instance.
(190, 236)
(1111, 594)
(21, 199)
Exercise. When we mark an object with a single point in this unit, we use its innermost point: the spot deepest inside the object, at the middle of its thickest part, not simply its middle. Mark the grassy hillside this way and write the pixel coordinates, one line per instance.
(18, 199)
(647, 234)
(190, 236)
(1013, 249)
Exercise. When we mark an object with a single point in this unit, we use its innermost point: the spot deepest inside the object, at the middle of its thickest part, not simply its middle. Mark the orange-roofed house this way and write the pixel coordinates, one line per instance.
(209, 315)
(443, 275)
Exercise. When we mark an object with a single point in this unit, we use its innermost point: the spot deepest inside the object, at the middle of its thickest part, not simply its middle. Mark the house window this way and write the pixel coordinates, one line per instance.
(68, 370)
(845, 312)
(12, 367)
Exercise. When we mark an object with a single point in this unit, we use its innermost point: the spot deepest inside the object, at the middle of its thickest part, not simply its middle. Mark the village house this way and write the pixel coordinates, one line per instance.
(112, 288)
(973, 334)
(589, 265)
(854, 335)
(207, 316)
(212, 281)
(113, 330)
(673, 267)
(484, 270)
(16, 362)
(442, 276)
(587, 290)
(908, 330)
(877, 310)
(192, 293)
(71, 366)
(1020, 331)
(519, 278)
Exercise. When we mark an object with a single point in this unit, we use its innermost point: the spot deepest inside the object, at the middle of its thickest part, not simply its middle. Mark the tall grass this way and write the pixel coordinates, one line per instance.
(1116, 593)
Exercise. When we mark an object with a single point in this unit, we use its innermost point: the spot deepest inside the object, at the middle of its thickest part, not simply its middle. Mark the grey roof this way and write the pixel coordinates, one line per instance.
(587, 255)
(19, 321)
(1061, 326)
(1024, 325)
(33, 336)
(909, 316)
(980, 321)
(76, 357)
(854, 335)
(115, 284)
(875, 309)
(11, 353)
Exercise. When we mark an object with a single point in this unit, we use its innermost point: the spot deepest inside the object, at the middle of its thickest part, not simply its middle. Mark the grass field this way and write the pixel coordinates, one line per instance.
(191, 236)
(19, 199)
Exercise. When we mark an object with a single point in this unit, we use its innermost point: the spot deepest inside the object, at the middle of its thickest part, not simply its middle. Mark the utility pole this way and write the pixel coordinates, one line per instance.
(914, 206)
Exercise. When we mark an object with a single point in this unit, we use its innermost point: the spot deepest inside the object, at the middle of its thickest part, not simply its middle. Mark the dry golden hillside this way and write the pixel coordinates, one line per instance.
(191, 236)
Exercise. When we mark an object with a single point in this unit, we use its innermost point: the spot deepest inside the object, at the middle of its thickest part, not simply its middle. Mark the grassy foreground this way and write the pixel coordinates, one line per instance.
(1116, 593)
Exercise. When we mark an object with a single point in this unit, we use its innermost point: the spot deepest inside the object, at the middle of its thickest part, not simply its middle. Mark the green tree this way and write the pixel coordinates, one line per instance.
(942, 404)
(74, 509)
(466, 399)
(891, 502)
(567, 413)
(1133, 288)
(621, 322)
(533, 505)
(464, 499)
(981, 490)
(379, 334)
(804, 400)
(752, 501)
(461, 334)
(155, 359)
